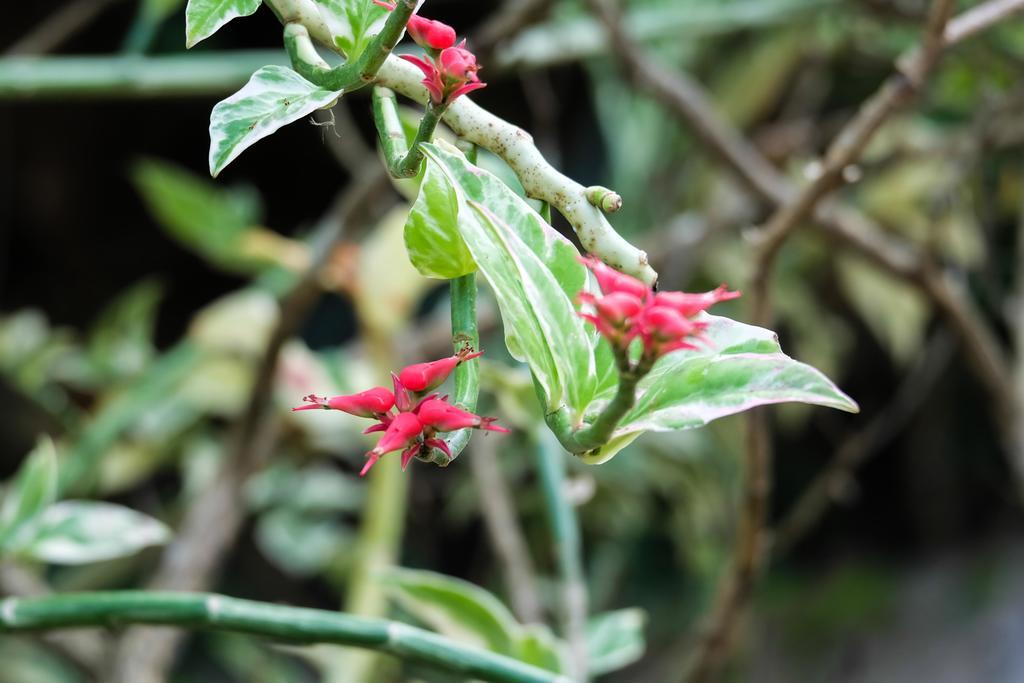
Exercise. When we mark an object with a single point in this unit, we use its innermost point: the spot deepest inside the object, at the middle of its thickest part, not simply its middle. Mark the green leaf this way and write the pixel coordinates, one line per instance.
(473, 183)
(121, 340)
(299, 544)
(454, 608)
(540, 647)
(615, 639)
(742, 368)
(209, 219)
(33, 490)
(274, 97)
(533, 272)
(432, 230)
(351, 22)
(84, 531)
(204, 17)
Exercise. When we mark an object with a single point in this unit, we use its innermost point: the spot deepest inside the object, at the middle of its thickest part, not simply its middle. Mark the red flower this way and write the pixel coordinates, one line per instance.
(428, 33)
(445, 417)
(370, 403)
(402, 433)
(627, 309)
(612, 280)
(690, 305)
(664, 330)
(423, 377)
(451, 74)
(418, 419)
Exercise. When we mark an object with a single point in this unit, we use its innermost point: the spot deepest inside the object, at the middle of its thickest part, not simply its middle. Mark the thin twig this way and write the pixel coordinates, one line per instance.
(213, 521)
(504, 531)
(913, 68)
(511, 18)
(749, 550)
(715, 645)
(980, 18)
(565, 535)
(855, 450)
(59, 26)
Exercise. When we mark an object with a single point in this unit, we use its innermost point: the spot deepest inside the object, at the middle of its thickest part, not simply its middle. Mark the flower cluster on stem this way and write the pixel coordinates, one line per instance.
(627, 310)
(410, 416)
(450, 70)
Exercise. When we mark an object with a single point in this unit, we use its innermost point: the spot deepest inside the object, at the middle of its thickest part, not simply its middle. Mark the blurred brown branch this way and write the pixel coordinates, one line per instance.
(684, 97)
(59, 26)
(499, 513)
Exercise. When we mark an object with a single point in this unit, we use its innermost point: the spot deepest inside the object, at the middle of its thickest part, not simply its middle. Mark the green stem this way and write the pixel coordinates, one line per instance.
(545, 211)
(221, 613)
(581, 439)
(131, 76)
(357, 72)
(402, 161)
(565, 532)
(467, 374)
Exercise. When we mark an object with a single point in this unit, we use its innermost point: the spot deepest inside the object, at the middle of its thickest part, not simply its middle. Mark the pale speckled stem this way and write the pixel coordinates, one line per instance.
(514, 145)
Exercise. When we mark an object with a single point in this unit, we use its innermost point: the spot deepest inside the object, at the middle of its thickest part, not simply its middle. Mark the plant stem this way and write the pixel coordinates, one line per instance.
(221, 613)
(357, 72)
(599, 432)
(565, 532)
(131, 76)
(578, 440)
(402, 161)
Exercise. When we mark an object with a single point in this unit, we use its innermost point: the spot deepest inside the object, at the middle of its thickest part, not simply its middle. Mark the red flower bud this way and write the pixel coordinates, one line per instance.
(426, 376)
(409, 453)
(690, 305)
(616, 308)
(439, 444)
(451, 75)
(430, 34)
(445, 417)
(612, 280)
(664, 329)
(458, 64)
(403, 399)
(403, 432)
(370, 403)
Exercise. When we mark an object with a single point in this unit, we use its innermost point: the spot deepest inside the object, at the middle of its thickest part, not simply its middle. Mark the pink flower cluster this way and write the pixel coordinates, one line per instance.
(628, 309)
(451, 70)
(409, 416)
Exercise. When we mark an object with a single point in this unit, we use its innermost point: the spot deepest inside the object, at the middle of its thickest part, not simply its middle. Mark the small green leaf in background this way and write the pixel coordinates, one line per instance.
(351, 22)
(274, 97)
(121, 340)
(33, 490)
(432, 236)
(465, 612)
(205, 217)
(615, 640)
(454, 608)
(204, 17)
(84, 531)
